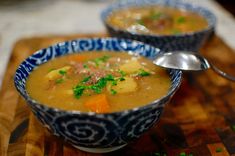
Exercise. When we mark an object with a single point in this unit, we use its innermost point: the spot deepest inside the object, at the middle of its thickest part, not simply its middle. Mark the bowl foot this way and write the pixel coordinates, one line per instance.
(99, 150)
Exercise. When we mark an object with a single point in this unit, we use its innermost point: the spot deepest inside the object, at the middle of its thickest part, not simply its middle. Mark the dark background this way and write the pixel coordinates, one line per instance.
(228, 5)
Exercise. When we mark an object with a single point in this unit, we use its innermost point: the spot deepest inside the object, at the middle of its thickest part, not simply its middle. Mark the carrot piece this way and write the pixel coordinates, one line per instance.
(77, 58)
(98, 103)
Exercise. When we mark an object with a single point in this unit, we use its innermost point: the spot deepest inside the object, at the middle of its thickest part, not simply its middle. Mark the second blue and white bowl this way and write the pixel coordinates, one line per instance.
(185, 41)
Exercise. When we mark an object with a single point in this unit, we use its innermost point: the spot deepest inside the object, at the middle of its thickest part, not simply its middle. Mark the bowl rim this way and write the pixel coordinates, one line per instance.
(31, 101)
(176, 4)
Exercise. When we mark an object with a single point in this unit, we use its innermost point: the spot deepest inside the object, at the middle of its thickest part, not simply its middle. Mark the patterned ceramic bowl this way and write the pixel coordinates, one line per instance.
(186, 41)
(90, 131)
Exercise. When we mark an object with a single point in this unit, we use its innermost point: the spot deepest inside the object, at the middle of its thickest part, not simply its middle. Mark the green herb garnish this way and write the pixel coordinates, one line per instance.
(218, 150)
(157, 154)
(96, 88)
(233, 127)
(114, 83)
(176, 31)
(155, 15)
(101, 83)
(122, 73)
(109, 77)
(78, 91)
(181, 20)
(140, 22)
(121, 79)
(113, 92)
(104, 58)
(62, 72)
(182, 154)
(86, 79)
(58, 81)
(143, 73)
(85, 66)
(101, 60)
(51, 69)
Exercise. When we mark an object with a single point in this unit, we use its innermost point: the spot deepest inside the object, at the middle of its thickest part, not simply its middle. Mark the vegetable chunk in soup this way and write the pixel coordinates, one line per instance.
(157, 20)
(100, 82)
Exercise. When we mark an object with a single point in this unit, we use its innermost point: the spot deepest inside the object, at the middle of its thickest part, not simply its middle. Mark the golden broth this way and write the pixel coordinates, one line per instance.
(116, 81)
(157, 20)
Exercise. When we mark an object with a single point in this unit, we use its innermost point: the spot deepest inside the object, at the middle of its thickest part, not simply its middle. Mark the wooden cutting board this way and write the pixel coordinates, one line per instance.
(199, 120)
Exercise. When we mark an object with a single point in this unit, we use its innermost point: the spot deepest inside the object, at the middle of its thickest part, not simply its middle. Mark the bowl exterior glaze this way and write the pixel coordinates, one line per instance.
(93, 130)
(186, 41)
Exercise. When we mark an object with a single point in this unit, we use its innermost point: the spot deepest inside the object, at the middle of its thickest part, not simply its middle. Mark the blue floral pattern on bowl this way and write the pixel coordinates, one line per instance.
(90, 131)
(186, 41)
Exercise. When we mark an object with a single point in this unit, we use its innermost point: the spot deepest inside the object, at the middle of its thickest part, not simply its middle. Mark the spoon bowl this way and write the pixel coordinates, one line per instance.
(182, 60)
(187, 61)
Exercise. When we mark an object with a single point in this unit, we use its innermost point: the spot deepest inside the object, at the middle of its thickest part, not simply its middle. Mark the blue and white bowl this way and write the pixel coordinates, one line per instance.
(185, 41)
(90, 131)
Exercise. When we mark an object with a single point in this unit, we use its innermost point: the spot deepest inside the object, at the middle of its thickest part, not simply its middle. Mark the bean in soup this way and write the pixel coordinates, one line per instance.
(100, 82)
(158, 20)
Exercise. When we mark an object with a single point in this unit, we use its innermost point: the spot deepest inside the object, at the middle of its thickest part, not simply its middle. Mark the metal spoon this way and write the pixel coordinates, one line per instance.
(188, 61)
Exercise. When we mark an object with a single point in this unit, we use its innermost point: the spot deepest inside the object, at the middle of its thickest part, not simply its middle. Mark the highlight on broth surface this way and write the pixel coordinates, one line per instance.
(159, 20)
(100, 82)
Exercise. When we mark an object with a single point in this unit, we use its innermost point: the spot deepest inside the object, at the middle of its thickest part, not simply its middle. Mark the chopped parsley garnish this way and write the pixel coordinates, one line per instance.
(121, 78)
(62, 72)
(78, 91)
(122, 73)
(113, 92)
(176, 31)
(233, 127)
(85, 66)
(86, 79)
(181, 20)
(51, 69)
(96, 88)
(114, 83)
(157, 154)
(140, 22)
(218, 150)
(155, 15)
(143, 73)
(59, 81)
(182, 154)
(109, 77)
(104, 58)
(101, 60)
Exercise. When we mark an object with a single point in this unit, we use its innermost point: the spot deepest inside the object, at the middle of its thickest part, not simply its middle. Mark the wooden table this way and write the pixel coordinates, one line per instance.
(199, 120)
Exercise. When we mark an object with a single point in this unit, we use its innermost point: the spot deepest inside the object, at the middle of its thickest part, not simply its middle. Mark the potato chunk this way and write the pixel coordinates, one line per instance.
(68, 92)
(55, 74)
(131, 66)
(126, 86)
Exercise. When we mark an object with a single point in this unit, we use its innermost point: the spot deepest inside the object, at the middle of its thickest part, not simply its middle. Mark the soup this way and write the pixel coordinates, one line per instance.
(99, 82)
(158, 20)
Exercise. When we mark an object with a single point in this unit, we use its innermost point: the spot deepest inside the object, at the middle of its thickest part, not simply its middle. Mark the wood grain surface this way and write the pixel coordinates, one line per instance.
(199, 120)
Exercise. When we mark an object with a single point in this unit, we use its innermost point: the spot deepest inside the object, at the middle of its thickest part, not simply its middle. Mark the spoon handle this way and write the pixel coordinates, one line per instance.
(223, 74)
